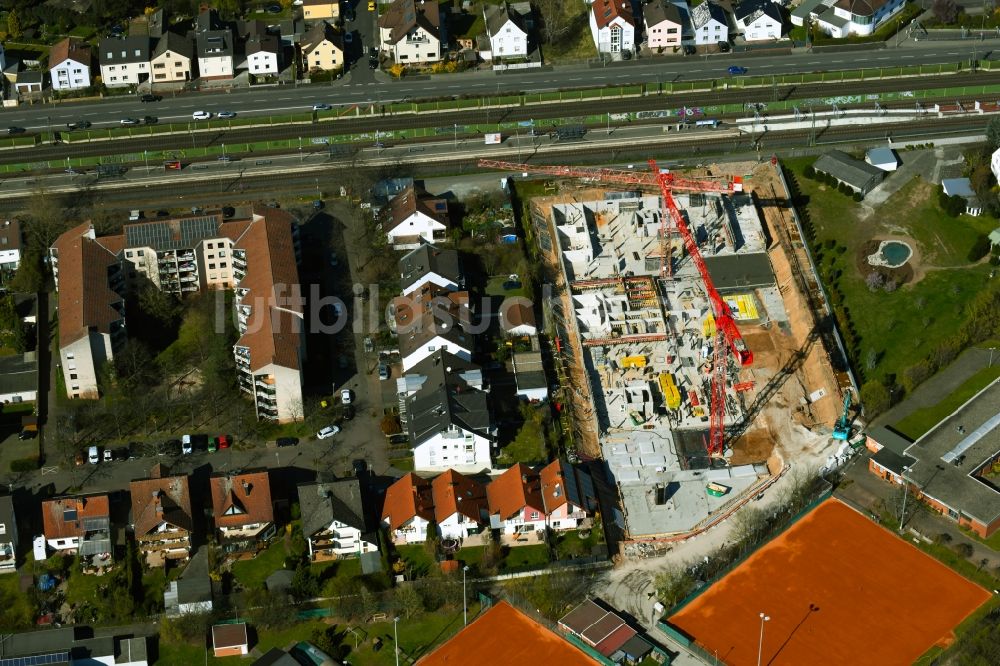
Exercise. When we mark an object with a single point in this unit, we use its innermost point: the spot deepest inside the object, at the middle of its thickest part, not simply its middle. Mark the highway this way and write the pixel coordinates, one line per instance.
(364, 87)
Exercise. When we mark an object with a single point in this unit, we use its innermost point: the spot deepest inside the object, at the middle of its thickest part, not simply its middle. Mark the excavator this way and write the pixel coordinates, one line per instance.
(842, 428)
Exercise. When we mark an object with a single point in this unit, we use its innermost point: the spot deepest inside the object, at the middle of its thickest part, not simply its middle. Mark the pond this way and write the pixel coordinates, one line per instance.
(891, 254)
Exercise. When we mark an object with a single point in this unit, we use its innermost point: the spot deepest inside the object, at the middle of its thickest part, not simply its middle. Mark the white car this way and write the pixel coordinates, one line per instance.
(322, 107)
(328, 431)
(201, 115)
(186, 447)
(227, 114)
(93, 457)
(345, 396)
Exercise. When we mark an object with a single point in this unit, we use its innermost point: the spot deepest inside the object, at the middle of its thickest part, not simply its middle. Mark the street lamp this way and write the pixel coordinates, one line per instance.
(906, 488)
(223, 152)
(145, 157)
(456, 136)
(465, 598)
(395, 637)
(760, 644)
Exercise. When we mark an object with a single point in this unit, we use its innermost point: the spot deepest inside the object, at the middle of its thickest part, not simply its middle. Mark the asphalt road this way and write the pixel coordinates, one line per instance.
(362, 88)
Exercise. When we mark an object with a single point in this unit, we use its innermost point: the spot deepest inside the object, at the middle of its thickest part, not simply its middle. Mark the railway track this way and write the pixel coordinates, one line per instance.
(562, 110)
(217, 189)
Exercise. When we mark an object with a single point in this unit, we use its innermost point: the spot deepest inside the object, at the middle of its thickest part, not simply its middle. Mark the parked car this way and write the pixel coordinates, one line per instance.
(150, 98)
(348, 37)
(383, 371)
(93, 455)
(222, 442)
(360, 467)
(287, 441)
(186, 447)
(122, 454)
(345, 396)
(348, 412)
(369, 346)
(322, 107)
(108, 456)
(373, 63)
(227, 114)
(371, 5)
(399, 439)
(134, 215)
(328, 431)
(736, 70)
(201, 115)
(130, 121)
(723, 47)
(212, 445)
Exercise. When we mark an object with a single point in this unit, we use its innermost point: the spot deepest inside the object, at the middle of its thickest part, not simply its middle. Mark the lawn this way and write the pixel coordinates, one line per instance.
(902, 327)
(920, 421)
(577, 44)
(471, 556)
(186, 653)
(500, 285)
(417, 637)
(16, 611)
(535, 556)
(252, 573)
(569, 544)
(417, 557)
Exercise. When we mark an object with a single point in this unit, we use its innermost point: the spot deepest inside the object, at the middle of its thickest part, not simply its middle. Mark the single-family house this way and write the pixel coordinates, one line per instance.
(517, 317)
(422, 376)
(842, 18)
(529, 376)
(11, 243)
(214, 47)
(415, 217)
(29, 81)
(962, 187)
(172, 59)
(664, 24)
(612, 26)
(335, 520)
(79, 524)
(859, 176)
(161, 516)
(320, 10)
(262, 49)
(8, 536)
(882, 158)
(431, 319)
(567, 494)
(710, 24)
(242, 509)
(507, 33)
(124, 60)
(429, 264)
(515, 501)
(408, 509)
(758, 20)
(192, 592)
(410, 31)
(230, 640)
(69, 65)
(322, 48)
(460, 506)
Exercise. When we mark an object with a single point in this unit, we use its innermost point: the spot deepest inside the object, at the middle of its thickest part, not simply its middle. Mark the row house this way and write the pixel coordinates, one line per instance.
(214, 47)
(91, 284)
(242, 510)
(335, 521)
(414, 217)
(80, 525)
(125, 60)
(452, 506)
(172, 59)
(322, 48)
(161, 516)
(69, 65)
(568, 495)
(431, 319)
(8, 536)
(411, 32)
(515, 502)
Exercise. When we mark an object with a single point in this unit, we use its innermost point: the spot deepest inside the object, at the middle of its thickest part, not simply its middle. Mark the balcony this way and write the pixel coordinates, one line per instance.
(190, 289)
(189, 277)
(186, 256)
(188, 266)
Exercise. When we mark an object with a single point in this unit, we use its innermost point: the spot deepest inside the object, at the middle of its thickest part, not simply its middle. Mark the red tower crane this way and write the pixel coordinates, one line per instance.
(668, 182)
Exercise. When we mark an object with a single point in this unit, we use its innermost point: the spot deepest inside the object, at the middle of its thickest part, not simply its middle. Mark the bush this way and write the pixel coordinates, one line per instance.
(809, 172)
(24, 465)
(979, 249)
(963, 549)
(857, 196)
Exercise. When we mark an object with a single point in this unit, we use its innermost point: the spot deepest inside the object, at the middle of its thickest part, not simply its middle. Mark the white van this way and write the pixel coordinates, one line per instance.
(186, 444)
(93, 456)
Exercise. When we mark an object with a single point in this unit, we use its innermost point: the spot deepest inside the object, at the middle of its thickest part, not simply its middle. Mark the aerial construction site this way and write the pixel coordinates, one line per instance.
(692, 338)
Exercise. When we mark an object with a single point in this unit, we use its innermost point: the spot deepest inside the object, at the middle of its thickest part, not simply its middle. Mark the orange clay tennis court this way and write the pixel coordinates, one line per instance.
(838, 589)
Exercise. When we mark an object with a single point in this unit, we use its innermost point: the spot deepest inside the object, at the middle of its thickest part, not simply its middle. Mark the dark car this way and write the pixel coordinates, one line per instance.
(736, 70)
(16, 130)
(373, 63)
(724, 47)
(78, 125)
(150, 120)
(274, 9)
(27, 434)
(348, 412)
(150, 98)
(287, 441)
(360, 467)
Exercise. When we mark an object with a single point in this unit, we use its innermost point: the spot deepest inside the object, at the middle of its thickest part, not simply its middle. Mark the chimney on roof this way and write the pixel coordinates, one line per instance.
(246, 488)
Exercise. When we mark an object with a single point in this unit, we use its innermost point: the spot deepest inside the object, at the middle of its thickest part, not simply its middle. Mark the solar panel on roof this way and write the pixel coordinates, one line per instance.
(39, 660)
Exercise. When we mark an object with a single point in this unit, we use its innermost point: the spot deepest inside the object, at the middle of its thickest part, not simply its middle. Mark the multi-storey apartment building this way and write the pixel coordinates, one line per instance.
(257, 256)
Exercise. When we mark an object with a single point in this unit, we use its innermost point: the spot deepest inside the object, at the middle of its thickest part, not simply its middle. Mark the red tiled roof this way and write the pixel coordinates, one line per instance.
(409, 202)
(552, 478)
(55, 517)
(606, 11)
(69, 48)
(407, 498)
(241, 499)
(274, 294)
(516, 311)
(85, 300)
(229, 635)
(513, 490)
(456, 493)
(159, 500)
